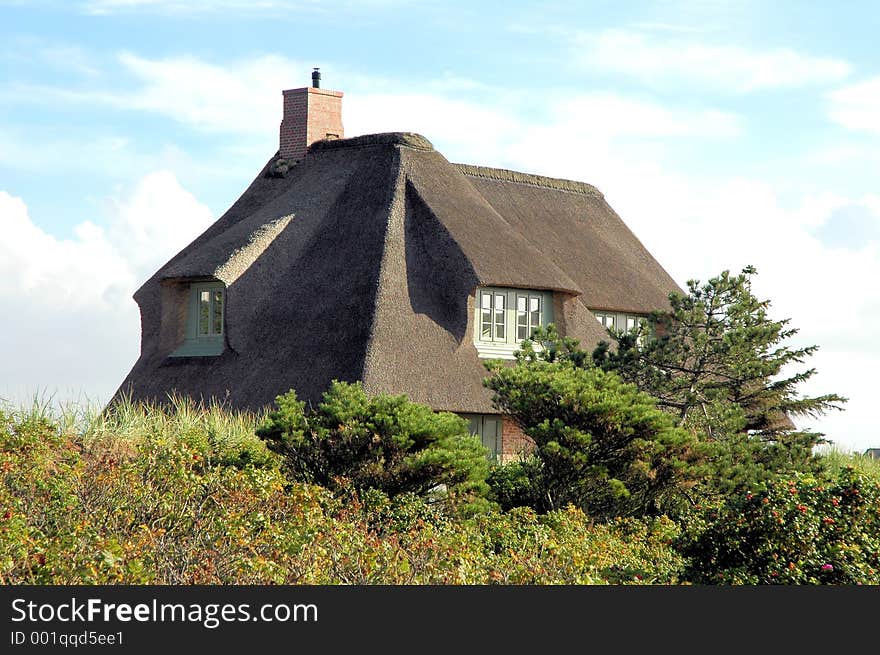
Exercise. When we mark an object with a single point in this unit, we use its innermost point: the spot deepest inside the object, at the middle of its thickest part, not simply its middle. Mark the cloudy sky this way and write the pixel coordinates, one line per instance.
(724, 133)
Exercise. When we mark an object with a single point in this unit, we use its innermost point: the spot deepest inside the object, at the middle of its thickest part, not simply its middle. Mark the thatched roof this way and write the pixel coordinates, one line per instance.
(361, 263)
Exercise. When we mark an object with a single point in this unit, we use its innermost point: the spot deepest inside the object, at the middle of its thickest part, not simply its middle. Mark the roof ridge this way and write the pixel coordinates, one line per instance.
(408, 139)
(505, 175)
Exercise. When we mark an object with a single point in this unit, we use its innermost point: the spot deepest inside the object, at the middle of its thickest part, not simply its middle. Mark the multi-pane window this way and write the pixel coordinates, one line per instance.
(506, 317)
(617, 321)
(607, 320)
(493, 321)
(528, 314)
(210, 312)
(203, 333)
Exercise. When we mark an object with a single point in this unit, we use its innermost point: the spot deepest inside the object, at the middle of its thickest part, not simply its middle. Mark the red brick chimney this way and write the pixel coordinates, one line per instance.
(310, 114)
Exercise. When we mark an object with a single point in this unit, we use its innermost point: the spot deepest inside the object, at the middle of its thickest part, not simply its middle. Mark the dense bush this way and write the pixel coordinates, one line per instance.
(600, 444)
(162, 505)
(517, 483)
(190, 496)
(384, 442)
(799, 531)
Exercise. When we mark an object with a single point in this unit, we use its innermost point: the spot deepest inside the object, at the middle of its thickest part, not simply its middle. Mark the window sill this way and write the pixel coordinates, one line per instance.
(487, 350)
(199, 348)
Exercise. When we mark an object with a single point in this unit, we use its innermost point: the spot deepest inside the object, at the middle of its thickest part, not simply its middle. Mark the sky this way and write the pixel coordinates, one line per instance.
(724, 133)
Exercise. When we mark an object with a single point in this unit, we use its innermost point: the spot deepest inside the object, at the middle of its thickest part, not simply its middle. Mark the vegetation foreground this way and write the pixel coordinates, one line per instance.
(667, 457)
(189, 496)
(186, 495)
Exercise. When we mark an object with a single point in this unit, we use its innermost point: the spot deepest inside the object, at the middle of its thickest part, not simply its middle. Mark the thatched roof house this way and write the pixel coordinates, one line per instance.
(374, 258)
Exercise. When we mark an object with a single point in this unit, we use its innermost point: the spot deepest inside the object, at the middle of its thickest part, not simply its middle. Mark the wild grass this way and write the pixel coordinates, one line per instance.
(220, 435)
(187, 494)
(836, 459)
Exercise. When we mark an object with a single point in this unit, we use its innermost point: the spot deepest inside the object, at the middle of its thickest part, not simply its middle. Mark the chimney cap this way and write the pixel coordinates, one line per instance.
(316, 77)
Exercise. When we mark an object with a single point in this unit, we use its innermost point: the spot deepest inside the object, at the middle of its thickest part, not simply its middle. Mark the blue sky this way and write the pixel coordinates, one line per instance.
(724, 134)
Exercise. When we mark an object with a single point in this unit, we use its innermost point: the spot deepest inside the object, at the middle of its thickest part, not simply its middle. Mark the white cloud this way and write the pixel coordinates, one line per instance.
(655, 60)
(243, 97)
(155, 221)
(857, 106)
(461, 126)
(474, 132)
(71, 325)
(610, 116)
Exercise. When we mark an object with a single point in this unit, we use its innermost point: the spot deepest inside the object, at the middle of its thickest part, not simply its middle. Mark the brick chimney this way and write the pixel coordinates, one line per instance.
(310, 114)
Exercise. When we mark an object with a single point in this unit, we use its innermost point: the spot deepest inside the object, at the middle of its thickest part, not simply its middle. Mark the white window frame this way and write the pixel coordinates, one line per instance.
(618, 321)
(481, 425)
(502, 344)
(195, 342)
(608, 320)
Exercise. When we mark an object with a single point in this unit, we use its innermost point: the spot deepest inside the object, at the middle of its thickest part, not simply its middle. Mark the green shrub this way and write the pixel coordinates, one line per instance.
(79, 508)
(798, 531)
(600, 444)
(514, 484)
(385, 442)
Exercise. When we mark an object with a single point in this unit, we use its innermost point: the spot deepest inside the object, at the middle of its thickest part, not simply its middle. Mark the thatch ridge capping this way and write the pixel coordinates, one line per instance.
(504, 175)
(407, 139)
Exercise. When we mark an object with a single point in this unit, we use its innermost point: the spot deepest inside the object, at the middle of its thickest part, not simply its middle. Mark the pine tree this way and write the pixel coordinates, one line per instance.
(600, 444)
(384, 442)
(719, 364)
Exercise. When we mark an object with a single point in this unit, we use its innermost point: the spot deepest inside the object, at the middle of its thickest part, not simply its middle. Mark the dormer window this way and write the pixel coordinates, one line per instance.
(607, 320)
(205, 320)
(505, 317)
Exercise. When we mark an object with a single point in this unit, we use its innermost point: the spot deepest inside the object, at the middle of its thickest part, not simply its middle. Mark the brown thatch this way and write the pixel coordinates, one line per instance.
(361, 263)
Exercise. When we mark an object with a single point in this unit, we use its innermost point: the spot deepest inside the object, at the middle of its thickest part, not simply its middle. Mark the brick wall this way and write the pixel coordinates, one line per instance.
(310, 115)
(513, 442)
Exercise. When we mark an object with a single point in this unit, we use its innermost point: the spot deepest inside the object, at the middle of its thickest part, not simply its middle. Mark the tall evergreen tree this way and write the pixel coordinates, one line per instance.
(721, 366)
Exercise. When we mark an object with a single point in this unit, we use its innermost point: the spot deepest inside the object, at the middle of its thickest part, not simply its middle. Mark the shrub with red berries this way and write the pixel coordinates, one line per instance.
(798, 531)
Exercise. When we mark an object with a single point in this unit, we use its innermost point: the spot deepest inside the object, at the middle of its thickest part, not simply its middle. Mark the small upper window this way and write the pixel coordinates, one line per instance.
(204, 323)
(619, 322)
(506, 317)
